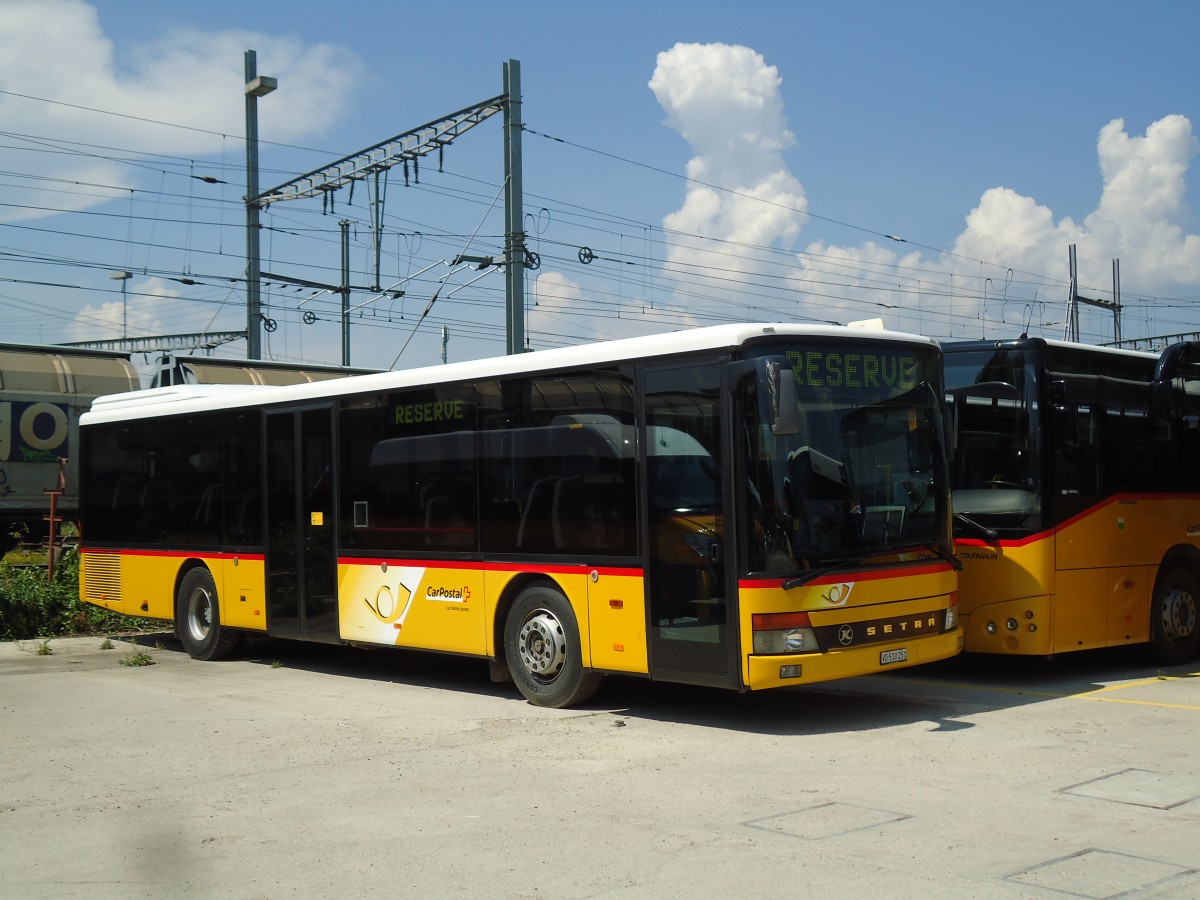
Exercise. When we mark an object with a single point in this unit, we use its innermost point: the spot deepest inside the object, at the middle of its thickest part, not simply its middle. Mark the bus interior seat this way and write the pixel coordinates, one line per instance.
(444, 524)
(534, 530)
(211, 503)
(129, 493)
(576, 518)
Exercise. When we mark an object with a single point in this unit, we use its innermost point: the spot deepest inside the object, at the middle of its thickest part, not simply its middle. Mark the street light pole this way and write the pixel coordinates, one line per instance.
(256, 86)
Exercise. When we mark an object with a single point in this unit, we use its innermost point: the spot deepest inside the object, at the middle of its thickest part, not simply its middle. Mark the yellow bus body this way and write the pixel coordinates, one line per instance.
(454, 607)
(1086, 584)
(143, 583)
(893, 609)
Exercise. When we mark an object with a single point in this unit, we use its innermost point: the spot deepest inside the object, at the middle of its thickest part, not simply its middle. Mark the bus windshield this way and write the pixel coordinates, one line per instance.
(992, 395)
(864, 475)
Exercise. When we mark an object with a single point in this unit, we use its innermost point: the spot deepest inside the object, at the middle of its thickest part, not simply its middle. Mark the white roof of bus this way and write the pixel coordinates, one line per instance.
(199, 398)
(953, 346)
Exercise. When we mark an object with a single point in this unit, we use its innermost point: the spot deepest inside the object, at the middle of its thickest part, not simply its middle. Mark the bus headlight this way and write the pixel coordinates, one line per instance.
(952, 612)
(776, 633)
(785, 640)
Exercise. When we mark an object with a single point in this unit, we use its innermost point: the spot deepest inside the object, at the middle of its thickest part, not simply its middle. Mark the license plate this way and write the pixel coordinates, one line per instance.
(893, 656)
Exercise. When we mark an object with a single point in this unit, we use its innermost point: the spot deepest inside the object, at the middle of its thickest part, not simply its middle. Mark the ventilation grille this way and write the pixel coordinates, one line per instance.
(102, 577)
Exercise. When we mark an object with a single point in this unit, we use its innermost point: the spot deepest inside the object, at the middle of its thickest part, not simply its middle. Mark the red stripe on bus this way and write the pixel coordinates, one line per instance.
(178, 554)
(534, 568)
(1075, 519)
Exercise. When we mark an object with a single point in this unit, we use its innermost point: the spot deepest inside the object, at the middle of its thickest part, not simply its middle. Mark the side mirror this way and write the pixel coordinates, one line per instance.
(778, 384)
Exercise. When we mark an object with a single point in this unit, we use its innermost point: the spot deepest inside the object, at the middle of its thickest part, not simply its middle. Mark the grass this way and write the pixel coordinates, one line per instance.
(34, 607)
(137, 658)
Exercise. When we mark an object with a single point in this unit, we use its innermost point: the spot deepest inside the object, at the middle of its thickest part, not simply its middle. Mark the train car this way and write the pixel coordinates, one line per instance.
(173, 369)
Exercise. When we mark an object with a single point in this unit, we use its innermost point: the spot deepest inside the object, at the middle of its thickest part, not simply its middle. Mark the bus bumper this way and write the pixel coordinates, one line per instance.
(1019, 627)
(807, 668)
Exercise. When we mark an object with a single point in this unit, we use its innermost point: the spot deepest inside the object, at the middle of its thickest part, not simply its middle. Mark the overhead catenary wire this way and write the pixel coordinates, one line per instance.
(715, 263)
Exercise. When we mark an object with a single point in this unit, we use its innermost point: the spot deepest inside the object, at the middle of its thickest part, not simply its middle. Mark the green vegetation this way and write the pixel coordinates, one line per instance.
(138, 658)
(33, 607)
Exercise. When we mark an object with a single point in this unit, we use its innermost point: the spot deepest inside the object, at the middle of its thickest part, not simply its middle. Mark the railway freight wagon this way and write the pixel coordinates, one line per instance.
(43, 391)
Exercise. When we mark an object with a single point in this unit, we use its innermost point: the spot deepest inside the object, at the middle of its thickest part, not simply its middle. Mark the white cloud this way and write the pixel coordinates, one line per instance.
(557, 305)
(189, 77)
(1139, 219)
(726, 102)
(148, 307)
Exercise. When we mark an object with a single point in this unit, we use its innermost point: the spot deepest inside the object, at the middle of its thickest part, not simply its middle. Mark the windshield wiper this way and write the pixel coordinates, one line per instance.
(842, 564)
(979, 528)
(942, 554)
(813, 574)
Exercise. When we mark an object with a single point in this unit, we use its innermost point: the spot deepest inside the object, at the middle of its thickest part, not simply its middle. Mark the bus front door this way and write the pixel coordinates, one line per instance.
(692, 622)
(301, 549)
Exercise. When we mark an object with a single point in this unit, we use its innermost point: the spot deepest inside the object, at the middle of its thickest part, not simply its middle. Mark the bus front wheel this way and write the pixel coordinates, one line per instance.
(198, 618)
(1173, 618)
(541, 643)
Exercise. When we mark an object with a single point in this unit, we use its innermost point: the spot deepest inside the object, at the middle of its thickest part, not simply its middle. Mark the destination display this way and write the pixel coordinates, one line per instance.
(855, 369)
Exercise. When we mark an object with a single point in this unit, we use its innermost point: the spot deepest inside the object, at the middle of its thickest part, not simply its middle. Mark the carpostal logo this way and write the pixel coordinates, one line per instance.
(838, 594)
(451, 595)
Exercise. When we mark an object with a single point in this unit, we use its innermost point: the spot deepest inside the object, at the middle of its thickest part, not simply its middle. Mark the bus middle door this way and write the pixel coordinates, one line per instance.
(692, 622)
(301, 534)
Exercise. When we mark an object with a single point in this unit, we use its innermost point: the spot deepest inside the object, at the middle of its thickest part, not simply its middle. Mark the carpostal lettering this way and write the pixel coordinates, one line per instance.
(434, 411)
(841, 369)
(441, 593)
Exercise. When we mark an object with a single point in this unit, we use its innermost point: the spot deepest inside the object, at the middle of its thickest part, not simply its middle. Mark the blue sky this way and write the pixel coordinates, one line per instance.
(989, 137)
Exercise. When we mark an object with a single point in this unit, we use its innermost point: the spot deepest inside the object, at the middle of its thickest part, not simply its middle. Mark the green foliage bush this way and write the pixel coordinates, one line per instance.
(33, 607)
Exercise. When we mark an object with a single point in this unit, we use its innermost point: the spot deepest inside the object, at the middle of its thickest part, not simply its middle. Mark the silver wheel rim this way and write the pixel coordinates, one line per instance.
(199, 614)
(1178, 614)
(542, 645)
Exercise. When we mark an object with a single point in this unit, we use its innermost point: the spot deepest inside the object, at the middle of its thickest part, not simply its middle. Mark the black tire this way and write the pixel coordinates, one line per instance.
(198, 618)
(541, 643)
(1174, 629)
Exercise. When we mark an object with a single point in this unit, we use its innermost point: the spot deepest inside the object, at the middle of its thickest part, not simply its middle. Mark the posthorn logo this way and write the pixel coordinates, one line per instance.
(838, 594)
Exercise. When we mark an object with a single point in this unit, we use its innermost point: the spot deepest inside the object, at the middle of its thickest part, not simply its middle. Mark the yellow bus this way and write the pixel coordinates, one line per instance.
(1076, 496)
(740, 506)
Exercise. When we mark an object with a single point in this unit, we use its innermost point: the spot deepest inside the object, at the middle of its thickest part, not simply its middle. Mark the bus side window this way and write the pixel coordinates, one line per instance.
(556, 464)
(1187, 449)
(1076, 469)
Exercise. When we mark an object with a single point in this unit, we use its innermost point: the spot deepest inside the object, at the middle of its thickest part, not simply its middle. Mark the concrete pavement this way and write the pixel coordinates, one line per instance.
(307, 771)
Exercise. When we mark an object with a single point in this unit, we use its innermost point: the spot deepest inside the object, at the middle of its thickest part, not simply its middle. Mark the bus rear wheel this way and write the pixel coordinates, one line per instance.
(541, 643)
(1173, 618)
(198, 618)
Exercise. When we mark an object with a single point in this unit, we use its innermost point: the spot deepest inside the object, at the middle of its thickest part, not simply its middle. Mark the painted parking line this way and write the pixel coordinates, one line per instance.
(1093, 695)
(1083, 695)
